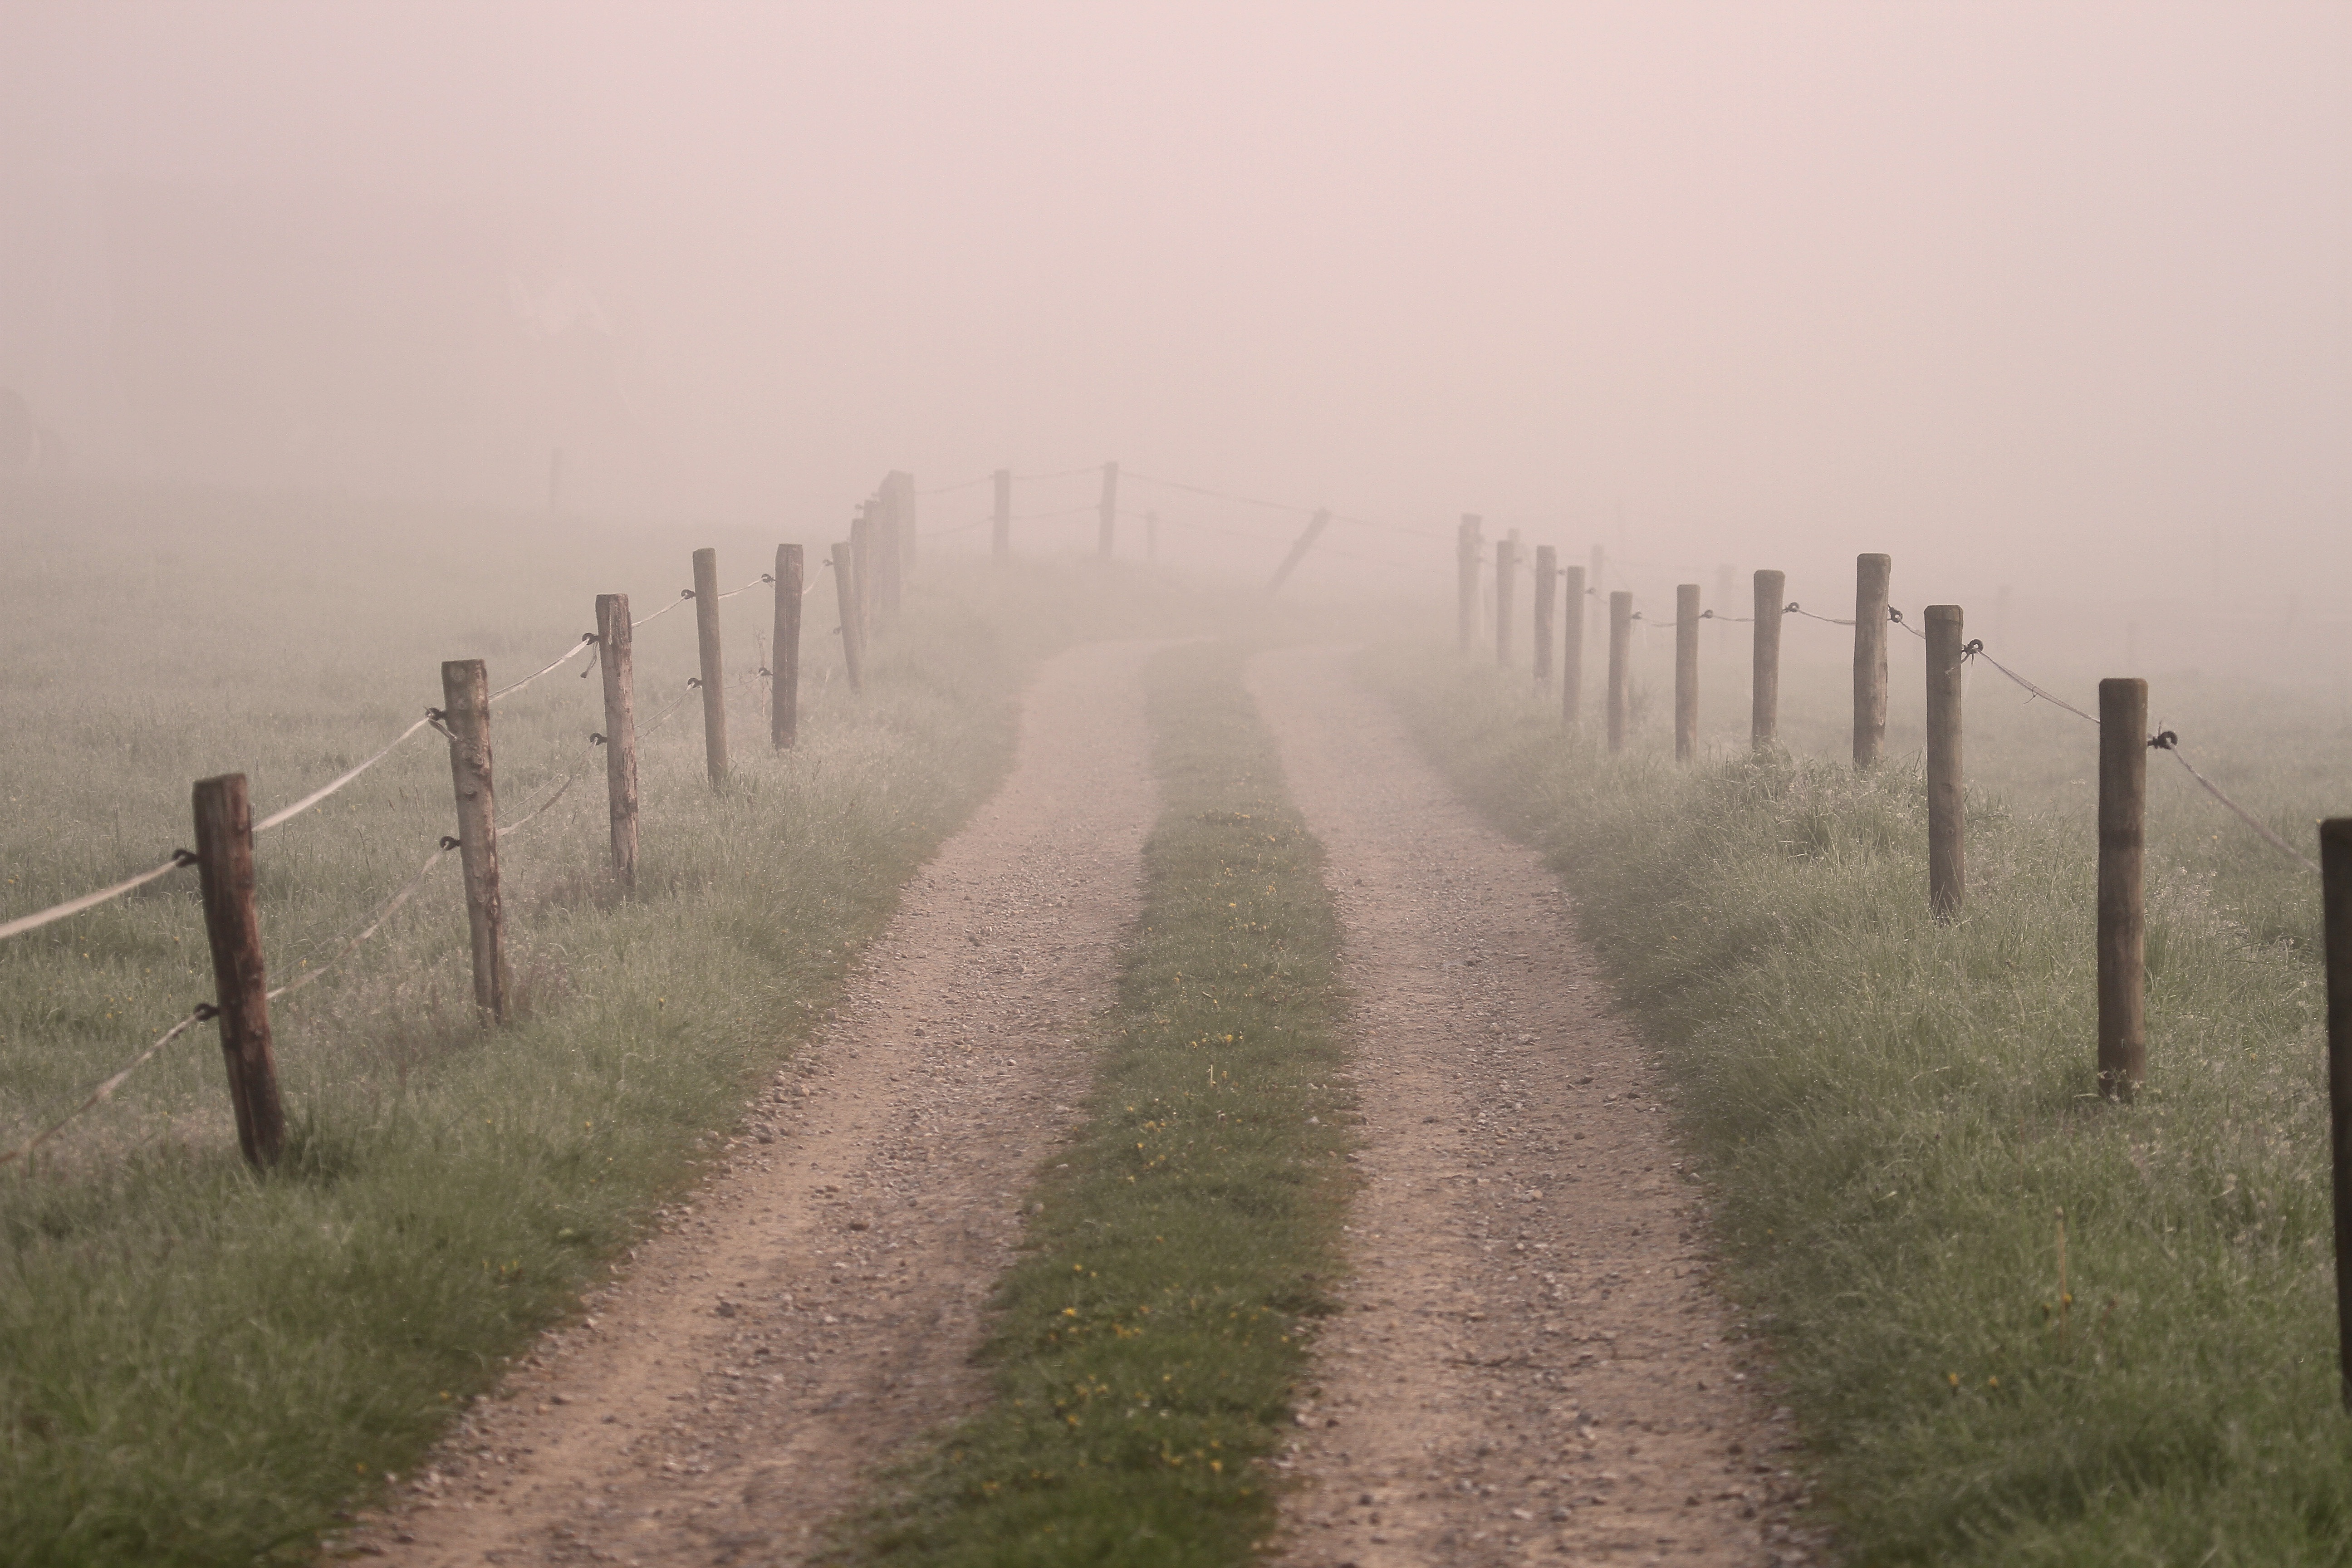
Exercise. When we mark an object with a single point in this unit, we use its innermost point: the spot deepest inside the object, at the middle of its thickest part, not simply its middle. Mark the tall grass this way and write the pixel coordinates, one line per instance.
(2019, 1324)
(201, 1366)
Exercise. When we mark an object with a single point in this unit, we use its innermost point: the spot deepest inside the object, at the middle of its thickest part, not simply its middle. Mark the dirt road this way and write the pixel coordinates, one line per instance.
(816, 1304)
(1530, 1365)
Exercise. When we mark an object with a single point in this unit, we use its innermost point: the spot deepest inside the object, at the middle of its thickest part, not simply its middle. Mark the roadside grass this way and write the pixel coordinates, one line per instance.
(1145, 1348)
(204, 1367)
(1894, 1115)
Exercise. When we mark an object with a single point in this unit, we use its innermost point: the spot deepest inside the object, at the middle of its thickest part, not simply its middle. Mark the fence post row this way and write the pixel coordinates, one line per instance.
(240, 985)
(1621, 636)
(714, 675)
(784, 657)
(466, 709)
(1764, 680)
(2335, 894)
(1546, 588)
(1298, 548)
(2122, 928)
(1947, 874)
(1571, 649)
(1466, 562)
(614, 654)
(1870, 573)
(1001, 521)
(1109, 522)
(1506, 571)
(845, 586)
(903, 519)
(1687, 608)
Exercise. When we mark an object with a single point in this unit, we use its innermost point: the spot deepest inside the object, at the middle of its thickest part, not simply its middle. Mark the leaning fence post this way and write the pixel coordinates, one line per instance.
(466, 709)
(614, 656)
(1109, 519)
(1948, 872)
(1466, 564)
(784, 657)
(1620, 638)
(1687, 610)
(2123, 809)
(861, 555)
(1764, 713)
(844, 587)
(1547, 585)
(1870, 578)
(2336, 897)
(1571, 649)
(714, 678)
(240, 985)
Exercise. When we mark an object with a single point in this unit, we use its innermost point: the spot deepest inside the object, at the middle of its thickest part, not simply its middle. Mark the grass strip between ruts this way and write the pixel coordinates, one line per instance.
(2018, 1325)
(1147, 1344)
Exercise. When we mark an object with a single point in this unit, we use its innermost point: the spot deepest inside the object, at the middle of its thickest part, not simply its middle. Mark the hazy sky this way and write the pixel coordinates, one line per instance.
(2033, 282)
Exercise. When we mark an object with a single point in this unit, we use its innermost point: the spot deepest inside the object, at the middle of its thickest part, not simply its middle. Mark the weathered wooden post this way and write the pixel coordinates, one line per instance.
(844, 587)
(2123, 809)
(1000, 529)
(1687, 618)
(1506, 576)
(240, 983)
(1109, 520)
(615, 657)
(1298, 548)
(1870, 579)
(2336, 897)
(784, 660)
(1546, 588)
(1571, 649)
(466, 710)
(1620, 638)
(1948, 875)
(1764, 713)
(1466, 562)
(714, 678)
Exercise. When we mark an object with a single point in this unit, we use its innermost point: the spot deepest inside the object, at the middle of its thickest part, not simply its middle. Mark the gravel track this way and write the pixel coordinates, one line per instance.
(1530, 1365)
(815, 1302)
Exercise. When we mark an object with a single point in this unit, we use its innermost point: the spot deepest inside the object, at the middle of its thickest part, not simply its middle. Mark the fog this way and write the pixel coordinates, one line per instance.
(2049, 296)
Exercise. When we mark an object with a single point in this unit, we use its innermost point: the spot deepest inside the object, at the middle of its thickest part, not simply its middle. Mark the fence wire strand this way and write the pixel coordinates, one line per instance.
(55, 912)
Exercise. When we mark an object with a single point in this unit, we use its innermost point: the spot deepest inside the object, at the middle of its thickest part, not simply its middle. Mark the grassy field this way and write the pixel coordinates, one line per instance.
(203, 1366)
(2020, 1325)
(1146, 1346)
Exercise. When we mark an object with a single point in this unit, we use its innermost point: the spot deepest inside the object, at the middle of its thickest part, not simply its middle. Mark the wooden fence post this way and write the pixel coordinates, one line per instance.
(1764, 714)
(1506, 572)
(1298, 548)
(1109, 520)
(615, 657)
(1948, 865)
(714, 676)
(2123, 809)
(1571, 649)
(1466, 562)
(2336, 896)
(784, 659)
(466, 709)
(1620, 638)
(1546, 589)
(1870, 579)
(845, 586)
(1001, 522)
(1686, 618)
(240, 985)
